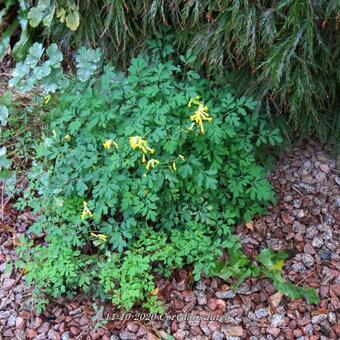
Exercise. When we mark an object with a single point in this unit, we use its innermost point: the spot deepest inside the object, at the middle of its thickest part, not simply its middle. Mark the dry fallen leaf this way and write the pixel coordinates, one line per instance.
(250, 225)
(319, 311)
(287, 219)
(6, 228)
(275, 299)
(154, 292)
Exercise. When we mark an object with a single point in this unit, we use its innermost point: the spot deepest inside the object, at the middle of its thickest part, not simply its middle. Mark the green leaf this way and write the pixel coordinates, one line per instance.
(3, 115)
(4, 162)
(35, 16)
(291, 290)
(36, 50)
(21, 47)
(42, 71)
(72, 20)
(47, 20)
(5, 38)
(54, 55)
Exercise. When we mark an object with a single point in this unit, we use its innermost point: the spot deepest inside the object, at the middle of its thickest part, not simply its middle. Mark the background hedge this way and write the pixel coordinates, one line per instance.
(286, 52)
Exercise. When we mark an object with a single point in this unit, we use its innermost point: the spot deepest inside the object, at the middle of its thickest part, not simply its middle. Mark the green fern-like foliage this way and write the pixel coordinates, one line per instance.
(286, 52)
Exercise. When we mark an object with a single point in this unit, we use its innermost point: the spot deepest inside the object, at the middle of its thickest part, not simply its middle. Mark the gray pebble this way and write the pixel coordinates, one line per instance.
(332, 317)
(261, 313)
(65, 336)
(229, 294)
(201, 285)
(317, 242)
(308, 260)
(319, 318)
(11, 320)
(299, 267)
(5, 314)
(217, 336)
(309, 329)
(201, 297)
(277, 320)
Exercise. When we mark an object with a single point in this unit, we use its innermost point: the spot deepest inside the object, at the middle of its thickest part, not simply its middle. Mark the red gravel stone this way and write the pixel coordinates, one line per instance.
(31, 333)
(94, 335)
(19, 322)
(297, 332)
(336, 328)
(60, 318)
(274, 331)
(178, 304)
(174, 327)
(74, 330)
(44, 328)
(84, 320)
(212, 304)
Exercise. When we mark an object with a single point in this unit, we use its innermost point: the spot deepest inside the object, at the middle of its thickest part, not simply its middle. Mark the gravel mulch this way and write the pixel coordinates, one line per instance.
(305, 221)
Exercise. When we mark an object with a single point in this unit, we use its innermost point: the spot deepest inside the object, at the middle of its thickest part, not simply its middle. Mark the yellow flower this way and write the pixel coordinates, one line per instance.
(194, 100)
(54, 133)
(108, 143)
(200, 115)
(101, 237)
(86, 211)
(47, 99)
(174, 166)
(67, 138)
(137, 142)
(181, 157)
(151, 163)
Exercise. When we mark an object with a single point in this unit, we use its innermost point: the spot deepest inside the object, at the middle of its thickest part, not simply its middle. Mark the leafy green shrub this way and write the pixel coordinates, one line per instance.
(142, 172)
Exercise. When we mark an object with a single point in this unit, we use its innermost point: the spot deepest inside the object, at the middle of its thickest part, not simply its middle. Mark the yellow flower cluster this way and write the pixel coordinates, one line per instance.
(108, 143)
(86, 212)
(47, 99)
(101, 237)
(151, 163)
(137, 142)
(200, 115)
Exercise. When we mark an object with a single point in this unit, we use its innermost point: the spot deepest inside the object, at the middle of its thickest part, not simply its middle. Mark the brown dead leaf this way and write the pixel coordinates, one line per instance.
(319, 311)
(154, 292)
(275, 299)
(210, 17)
(6, 228)
(26, 217)
(287, 219)
(250, 225)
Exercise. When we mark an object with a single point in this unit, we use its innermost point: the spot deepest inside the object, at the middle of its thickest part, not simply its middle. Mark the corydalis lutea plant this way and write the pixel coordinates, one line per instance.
(140, 172)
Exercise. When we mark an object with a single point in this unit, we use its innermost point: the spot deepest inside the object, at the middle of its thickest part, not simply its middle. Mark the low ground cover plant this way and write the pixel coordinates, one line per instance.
(140, 173)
